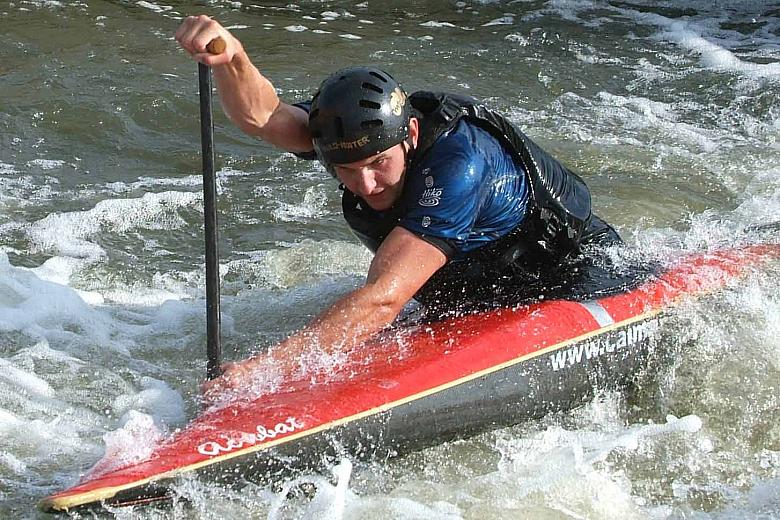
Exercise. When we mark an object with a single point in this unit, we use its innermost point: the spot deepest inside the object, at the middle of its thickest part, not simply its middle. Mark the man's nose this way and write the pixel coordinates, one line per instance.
(366, 181)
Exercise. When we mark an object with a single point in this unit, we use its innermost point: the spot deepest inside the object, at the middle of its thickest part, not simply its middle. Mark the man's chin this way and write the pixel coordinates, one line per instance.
(378, 203)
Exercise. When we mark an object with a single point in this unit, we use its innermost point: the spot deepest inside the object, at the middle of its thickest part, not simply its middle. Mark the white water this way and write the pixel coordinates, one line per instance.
(673, 116)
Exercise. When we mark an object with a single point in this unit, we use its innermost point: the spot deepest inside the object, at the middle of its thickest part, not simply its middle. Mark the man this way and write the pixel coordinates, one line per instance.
(457, 204)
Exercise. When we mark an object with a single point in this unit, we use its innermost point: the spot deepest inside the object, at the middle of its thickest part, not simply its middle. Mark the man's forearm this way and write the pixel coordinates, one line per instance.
(247, 97)
(401, 266)
(343, 326)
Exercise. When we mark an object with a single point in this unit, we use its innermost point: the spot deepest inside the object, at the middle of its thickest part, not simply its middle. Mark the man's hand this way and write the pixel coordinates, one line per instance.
(239, 378)
(231, 377)
(196, 32)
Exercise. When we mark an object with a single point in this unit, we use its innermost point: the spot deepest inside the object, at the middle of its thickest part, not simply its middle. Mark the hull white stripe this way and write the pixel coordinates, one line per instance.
(598, 312)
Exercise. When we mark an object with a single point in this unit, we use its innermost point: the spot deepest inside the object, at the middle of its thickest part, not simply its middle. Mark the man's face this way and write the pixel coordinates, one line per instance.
(379, 179)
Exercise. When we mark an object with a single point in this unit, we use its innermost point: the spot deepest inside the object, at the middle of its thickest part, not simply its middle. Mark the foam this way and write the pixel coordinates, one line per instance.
(56, 431)
(46, 310)
(141, 295)
(504, 20)
(187, 181)
(635, 122)
(313, 206)
(47, 164)
(164, 405)
(13, 463)
(566, 471)
(669, 135)
(42, 351)
(25, 381)
(699, 34)
(62, 429)
(762, 502)
(67, 235)
(330, 501)
(712, 55)
(661, 115)
(302, 263)
(8, 420)
(134, 441)
(7, 169)
(44, 3)
(437, 24)
(25, 190)
(518, 38)
(153, 7)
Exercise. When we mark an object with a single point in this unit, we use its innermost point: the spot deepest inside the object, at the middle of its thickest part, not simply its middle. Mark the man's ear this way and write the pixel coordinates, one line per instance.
(414, 132)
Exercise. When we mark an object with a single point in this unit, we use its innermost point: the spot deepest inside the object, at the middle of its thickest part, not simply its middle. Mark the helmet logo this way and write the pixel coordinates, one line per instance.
(397, 101)
(346, 145)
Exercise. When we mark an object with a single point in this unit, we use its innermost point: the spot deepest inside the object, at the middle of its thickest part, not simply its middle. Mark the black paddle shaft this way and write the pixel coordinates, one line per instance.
(213, 346)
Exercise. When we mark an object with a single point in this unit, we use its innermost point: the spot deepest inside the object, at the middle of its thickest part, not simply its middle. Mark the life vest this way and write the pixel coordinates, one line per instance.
(559, 209)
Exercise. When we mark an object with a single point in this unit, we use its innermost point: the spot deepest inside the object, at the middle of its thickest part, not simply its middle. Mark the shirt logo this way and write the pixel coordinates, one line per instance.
(426, 221)
(430, 197)
(429, 181)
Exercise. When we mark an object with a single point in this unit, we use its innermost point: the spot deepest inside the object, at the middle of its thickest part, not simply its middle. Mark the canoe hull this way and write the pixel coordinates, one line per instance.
(427, 384)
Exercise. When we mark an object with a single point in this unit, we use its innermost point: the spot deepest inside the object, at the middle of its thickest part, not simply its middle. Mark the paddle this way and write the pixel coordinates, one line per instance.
(213, 346)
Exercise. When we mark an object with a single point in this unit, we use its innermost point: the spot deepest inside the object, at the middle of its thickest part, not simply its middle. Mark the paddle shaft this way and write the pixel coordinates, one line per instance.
(213, 322)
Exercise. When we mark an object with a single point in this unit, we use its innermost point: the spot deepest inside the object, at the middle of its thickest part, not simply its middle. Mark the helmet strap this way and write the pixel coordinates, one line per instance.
(409, 150)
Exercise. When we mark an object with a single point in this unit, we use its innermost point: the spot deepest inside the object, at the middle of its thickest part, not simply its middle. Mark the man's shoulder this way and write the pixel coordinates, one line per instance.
(451, 148)
(463, 142)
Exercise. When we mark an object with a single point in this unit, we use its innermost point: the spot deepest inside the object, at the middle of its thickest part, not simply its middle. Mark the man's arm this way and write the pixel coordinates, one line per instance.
(248, 98)
(402, 265)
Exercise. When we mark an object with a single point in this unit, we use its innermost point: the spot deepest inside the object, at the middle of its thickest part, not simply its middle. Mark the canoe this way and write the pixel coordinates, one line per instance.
(425, 383)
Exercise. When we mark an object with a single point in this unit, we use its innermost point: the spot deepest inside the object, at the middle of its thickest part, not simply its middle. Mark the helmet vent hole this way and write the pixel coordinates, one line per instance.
(371, 86)
(378, 76)
(372, 123)
(364, 103)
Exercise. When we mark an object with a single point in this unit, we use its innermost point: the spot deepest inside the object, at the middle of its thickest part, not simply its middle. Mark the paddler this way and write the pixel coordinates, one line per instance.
(458, 205)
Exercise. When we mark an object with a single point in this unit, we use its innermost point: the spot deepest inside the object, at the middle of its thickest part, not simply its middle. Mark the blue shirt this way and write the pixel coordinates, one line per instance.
(466, 192)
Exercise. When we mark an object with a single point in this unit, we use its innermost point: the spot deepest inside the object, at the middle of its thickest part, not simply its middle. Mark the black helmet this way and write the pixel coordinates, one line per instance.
(357, 112)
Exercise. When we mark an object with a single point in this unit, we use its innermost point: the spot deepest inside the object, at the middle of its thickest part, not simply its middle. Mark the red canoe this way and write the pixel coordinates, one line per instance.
(427, 383)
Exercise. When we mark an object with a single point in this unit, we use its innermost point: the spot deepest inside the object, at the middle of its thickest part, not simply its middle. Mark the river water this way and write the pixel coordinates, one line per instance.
(670, 110)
